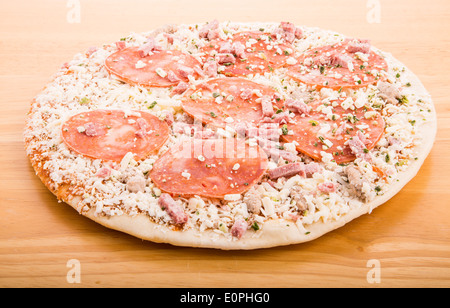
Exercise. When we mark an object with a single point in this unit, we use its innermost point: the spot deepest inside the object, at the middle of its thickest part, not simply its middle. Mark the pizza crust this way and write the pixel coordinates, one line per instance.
(274, 232)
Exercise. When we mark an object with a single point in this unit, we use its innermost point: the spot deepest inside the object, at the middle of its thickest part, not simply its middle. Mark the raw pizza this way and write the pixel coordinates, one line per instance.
(230, 135)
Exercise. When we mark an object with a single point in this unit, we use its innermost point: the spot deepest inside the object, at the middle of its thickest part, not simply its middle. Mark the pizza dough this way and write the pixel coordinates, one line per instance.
(230, 135)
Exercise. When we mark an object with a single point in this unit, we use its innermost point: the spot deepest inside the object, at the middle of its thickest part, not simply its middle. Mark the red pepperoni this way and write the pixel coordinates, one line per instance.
(262, 53)
(326, 67)
(228, 101)
(209, 167)
(110, 134)
(318, 132)
(130, 67)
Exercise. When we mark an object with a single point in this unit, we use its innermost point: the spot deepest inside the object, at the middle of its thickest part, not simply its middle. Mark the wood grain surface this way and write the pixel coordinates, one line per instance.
(408, 237)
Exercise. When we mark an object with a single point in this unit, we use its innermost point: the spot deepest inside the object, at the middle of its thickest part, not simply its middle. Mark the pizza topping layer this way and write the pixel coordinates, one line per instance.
(209, 167)
(111, 134)
(331, 123)
(348, 64)
(336, 128)
(230, 101)
(152, 67)
(248, 52)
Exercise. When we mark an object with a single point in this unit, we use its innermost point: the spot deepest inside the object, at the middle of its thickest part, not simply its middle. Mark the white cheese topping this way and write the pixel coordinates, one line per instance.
(161, 72)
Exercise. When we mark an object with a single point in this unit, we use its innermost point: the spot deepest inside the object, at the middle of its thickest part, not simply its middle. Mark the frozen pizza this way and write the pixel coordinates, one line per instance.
(230, 135)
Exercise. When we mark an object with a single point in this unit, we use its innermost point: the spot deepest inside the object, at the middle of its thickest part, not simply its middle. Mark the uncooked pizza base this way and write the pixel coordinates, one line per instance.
(274, 232)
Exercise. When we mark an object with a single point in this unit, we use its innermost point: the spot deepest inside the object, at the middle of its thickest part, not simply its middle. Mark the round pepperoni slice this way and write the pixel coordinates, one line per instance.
(159, 69)
(330, 128)
(209, 167)
(252, 52)
(110, 134)
(334, 66)
(228, 101)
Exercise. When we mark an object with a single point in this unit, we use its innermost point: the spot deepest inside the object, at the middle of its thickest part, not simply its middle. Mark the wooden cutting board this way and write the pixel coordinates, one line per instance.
(403, 243)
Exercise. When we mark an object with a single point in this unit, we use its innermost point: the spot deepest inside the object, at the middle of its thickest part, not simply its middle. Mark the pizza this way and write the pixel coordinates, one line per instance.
(230, 135)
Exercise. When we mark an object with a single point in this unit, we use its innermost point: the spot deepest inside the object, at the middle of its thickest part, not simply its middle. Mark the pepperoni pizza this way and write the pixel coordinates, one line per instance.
(230, 135)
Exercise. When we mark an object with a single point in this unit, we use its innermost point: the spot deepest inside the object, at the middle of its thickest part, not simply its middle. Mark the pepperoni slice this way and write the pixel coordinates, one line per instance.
(209, 167)
(110, 134)
(333, 66)
(262, 53)
(228, 101)
(330, 130)
(160, 69)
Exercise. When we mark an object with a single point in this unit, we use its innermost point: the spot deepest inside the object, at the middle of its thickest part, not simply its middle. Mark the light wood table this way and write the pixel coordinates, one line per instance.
(409, 236)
